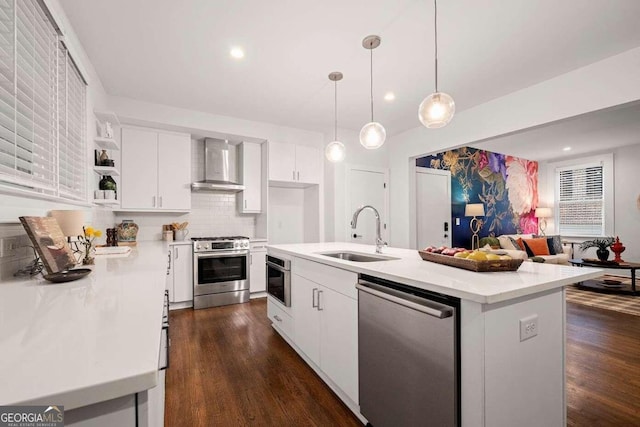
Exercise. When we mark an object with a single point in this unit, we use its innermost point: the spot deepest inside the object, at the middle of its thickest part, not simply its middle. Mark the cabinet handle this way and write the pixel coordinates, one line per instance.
(277, 318)
(313, 298)
(319, 308)
(250, 259)
(154, 201)
(245, 204)
(298, 175)
(160, 201)
(169, 264)
(294, 175)
(176, 252)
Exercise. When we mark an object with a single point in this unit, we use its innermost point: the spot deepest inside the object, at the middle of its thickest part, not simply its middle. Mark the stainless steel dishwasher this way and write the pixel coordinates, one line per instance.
(409, 360)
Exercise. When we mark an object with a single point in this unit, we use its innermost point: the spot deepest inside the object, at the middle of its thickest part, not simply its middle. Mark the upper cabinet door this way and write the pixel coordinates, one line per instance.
(139, 188)
(308, 165)
(282, 162)
(250, 199)
(174, 171)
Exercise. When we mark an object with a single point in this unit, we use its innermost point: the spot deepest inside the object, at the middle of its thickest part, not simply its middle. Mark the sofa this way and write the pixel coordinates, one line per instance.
(555, 256)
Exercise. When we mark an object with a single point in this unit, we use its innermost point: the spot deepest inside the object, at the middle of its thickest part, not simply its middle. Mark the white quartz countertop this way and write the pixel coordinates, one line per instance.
(86, 341)
(410, 269)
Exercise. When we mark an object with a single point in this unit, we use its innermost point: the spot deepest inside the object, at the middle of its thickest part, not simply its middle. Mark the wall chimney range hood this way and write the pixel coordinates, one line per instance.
(220, 166)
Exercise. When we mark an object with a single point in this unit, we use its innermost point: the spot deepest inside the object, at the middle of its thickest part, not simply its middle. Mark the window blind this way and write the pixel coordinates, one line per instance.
(39, 91)
(581, 200)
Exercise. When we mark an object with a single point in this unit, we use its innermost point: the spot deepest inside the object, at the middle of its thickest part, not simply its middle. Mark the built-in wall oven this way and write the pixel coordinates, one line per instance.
(279, 279)
(220, 271)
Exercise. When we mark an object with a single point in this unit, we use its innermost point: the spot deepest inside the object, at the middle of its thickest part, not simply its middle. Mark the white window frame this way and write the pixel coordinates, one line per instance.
(608, 187)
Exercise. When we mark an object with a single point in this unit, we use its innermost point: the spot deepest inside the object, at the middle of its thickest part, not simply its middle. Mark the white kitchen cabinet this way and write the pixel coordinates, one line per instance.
(250, 175)
(295, 164)
(180, 278)
(258, 270)
(326, 330)
(156, 170)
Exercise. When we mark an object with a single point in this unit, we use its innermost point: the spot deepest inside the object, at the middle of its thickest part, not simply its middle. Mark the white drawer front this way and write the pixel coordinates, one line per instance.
(341, 281)
(279, 317)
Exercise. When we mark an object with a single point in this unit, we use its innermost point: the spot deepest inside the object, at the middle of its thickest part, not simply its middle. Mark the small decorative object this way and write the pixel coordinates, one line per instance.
(104, 157)
(601, 243)
(617, 249)
(90, 235)
(107, 183)
(180, 231)
(108, 130)
(127, 232)
(112, 237)
(49, 242)
(474, 210)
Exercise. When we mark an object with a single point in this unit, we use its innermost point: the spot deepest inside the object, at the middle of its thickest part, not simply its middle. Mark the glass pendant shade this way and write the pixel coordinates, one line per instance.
(335, 151)
(372, 135)
(436, 110)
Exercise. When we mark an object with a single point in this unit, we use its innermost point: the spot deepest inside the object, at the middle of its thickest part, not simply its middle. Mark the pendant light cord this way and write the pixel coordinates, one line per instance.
(335, 109)
(371, 74)
(435, 26)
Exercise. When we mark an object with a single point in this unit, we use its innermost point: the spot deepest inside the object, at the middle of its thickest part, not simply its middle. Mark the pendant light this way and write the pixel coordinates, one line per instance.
(372, 135)
(335, 150)
(437, 109)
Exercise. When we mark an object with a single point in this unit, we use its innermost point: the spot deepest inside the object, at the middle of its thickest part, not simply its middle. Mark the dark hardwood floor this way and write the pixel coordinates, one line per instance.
(229, 368)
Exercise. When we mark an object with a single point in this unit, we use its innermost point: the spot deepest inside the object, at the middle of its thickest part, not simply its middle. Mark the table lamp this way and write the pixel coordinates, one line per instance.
(71, 223)
(543, 214)
(475, 210)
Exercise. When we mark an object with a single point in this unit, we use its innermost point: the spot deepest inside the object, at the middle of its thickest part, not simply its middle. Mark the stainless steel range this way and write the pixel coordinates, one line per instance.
(220, 271)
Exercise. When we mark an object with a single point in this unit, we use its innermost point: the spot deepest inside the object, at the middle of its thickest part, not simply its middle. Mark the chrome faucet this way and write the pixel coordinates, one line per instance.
(354, 223)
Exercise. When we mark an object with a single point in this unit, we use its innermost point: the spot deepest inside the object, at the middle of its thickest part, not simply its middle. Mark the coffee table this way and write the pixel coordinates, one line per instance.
(598, 285)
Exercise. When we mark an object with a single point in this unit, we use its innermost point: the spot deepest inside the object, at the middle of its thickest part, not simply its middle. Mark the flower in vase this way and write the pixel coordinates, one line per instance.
(90, 234)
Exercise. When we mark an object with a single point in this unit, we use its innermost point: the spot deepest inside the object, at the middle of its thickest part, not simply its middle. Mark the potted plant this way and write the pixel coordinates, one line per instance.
(601, 243)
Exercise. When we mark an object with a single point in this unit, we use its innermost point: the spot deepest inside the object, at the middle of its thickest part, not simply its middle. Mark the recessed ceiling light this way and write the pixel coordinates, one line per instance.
(566, 149)
(237, 52)
(389, 96)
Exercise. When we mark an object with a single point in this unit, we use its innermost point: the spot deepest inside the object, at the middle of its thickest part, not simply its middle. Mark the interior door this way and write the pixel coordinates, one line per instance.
(366, 187)
(139, 169)
(433, 207)
(174, 176)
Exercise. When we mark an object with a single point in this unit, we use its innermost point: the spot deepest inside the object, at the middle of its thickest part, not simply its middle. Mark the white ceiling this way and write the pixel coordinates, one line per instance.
(177, 52)
(599, 131)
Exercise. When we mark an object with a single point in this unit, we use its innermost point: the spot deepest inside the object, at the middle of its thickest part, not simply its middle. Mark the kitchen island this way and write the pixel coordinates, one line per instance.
(506, 375)
(83, 343)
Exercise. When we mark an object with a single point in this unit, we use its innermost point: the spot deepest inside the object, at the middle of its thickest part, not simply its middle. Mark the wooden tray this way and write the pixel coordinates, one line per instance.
(467, 264)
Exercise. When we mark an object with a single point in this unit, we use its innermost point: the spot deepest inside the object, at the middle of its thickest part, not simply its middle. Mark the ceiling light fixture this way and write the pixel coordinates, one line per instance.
(566, 149)
(437, 109)
(237, 53)
(372, 135)
(389, 96)
(335, 150)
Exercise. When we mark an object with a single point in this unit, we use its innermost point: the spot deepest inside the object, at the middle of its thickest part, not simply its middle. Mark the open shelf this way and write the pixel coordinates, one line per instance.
(106, 170)
(107, 116)
(106, 143)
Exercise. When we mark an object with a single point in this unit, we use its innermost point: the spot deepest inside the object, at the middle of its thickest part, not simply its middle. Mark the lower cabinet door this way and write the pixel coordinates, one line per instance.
(257, 274)
(339, 340)
(182, 259)
(304, 295)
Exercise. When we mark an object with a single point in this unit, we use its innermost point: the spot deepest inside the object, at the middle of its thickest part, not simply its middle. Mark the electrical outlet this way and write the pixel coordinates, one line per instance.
(528, 327)
(457, 221)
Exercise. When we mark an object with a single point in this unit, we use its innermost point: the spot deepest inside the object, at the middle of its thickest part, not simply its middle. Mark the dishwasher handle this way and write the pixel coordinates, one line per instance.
(425, 306)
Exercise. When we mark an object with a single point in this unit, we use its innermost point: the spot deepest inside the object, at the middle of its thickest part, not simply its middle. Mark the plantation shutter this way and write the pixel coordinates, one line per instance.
(581, 200)
(42, 105)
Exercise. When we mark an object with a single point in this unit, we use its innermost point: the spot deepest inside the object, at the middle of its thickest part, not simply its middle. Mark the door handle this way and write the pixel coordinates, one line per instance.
(356, 236)
(313, 298)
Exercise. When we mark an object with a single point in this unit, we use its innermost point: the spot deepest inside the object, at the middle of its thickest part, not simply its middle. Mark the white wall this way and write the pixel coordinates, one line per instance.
(336, 221)
(286, 215)
(604, 84)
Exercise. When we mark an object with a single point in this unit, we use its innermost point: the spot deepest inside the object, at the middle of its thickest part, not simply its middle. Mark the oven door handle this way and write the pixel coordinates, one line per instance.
(222, 255)
(277, 267)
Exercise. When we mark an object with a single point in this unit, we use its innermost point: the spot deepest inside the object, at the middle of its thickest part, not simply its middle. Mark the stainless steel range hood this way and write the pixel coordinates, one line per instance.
(220, 167)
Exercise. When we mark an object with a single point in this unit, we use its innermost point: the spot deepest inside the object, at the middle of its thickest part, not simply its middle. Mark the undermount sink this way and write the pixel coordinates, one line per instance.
(357, 257)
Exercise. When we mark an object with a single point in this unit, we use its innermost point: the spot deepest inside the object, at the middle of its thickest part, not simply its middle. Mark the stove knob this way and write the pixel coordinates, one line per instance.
(206, 246)
(245, 244)
(198, 247)
(236, 245)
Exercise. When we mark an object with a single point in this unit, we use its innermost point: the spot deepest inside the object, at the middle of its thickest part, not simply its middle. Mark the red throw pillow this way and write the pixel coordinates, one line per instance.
(520, 243)
(539, 246)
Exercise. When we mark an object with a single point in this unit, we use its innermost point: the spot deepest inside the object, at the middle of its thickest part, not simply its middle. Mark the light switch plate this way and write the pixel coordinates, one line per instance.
(528, 327)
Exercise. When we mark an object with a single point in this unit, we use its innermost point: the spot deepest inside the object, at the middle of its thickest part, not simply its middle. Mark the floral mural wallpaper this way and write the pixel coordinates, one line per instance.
(506, 185)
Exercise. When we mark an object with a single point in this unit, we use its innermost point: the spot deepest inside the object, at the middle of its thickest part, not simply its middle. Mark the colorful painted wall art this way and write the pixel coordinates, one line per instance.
(507, 185)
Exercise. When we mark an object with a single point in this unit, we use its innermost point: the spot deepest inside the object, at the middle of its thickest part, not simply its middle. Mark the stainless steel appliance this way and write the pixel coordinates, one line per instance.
(219, 168)
(220, 271)
(279, 279)
(409, 364)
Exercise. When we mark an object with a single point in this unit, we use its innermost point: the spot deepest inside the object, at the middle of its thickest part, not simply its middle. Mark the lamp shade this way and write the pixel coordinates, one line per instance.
(474, 209)
(70, 221)
(543, 213)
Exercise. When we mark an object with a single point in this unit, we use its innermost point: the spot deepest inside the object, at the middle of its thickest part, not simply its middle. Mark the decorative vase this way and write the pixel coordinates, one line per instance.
(603, 254)
(127, 231)
(617, 249)
(104, 158)
(107, 183)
